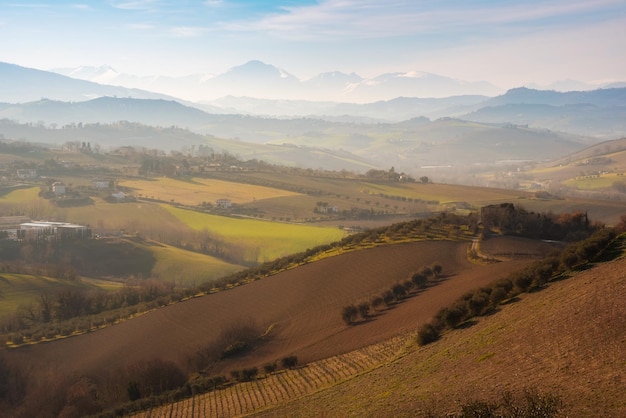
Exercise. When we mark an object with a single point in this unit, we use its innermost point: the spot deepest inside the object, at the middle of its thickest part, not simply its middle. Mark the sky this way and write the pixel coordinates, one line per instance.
(508, 43)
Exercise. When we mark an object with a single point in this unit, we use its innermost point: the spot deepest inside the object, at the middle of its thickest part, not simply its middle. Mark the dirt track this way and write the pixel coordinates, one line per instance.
(302, 304)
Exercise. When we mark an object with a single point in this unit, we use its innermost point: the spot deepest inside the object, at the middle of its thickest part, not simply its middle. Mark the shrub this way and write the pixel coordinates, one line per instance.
(399, 291)
(349, 314)
(388, 297)
(364, 309)
(427, 334)
(419, 280)
(377, 302)
(269, 368)
(453, 316)
(437, 269)
(244, 375)
(289, 362)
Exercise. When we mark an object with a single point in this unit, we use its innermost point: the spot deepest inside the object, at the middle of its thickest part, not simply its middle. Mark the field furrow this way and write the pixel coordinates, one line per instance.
(263, 392)
(322, 377)
(339, 368)
(280, 392)
(323, 365)
(251, 403)
(303, 377)
(277, 388)
(286, 381)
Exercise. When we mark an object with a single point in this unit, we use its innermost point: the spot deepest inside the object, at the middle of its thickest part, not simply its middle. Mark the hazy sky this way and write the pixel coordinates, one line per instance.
(509, 43)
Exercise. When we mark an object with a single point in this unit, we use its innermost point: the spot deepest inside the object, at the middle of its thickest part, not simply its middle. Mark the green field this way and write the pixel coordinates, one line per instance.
(269, 240)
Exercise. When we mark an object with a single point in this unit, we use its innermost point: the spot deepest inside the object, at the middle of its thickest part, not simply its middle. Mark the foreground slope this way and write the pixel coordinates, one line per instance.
(568, 340)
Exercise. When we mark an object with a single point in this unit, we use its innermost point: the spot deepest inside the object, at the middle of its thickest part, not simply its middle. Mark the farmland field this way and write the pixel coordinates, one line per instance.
(269, 239)
(301, 305)
(131, 217)
(198, 190)
(444, 193)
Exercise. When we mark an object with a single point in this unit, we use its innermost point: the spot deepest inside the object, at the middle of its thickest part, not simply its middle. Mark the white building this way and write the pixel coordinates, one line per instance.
(58, 189)
(223, 203)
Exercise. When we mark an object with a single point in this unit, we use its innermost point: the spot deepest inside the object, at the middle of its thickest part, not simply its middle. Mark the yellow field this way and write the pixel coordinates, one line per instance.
(199, 190)
(269, 240)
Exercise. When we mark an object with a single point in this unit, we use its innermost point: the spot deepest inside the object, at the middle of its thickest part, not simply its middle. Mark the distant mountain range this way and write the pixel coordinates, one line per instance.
(260, 80)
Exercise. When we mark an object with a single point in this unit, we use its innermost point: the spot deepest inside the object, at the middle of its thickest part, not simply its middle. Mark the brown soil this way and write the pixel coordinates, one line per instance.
(302, 306)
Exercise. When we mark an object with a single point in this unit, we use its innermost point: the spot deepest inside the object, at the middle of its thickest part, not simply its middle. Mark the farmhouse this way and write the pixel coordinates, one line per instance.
(100, 184)
(223, 203)
(58, 189)
(119, 196)
(42, 230)
(26, 173)
(329, 209)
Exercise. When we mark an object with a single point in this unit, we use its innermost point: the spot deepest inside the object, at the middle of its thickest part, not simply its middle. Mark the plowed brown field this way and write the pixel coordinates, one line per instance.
(303, 305)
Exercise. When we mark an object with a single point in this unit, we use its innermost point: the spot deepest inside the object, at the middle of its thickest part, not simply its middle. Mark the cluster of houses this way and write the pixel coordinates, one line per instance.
(20, 228)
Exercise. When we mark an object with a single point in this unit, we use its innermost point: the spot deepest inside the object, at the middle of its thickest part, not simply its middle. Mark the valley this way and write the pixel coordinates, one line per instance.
(256, 257)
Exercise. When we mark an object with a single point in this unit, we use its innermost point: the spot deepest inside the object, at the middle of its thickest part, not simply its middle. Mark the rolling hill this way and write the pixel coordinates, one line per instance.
(313, 143)
(567, 341)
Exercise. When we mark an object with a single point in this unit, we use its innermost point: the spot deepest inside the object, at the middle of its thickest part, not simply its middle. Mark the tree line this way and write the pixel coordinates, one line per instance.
(487, 299)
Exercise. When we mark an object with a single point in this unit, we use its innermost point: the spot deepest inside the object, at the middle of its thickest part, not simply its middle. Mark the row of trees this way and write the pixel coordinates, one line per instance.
(70, 309)
(486, 299)
(418, 280)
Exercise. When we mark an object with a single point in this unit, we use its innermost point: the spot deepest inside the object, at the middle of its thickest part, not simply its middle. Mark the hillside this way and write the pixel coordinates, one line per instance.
(567, 340)
(299, 309)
